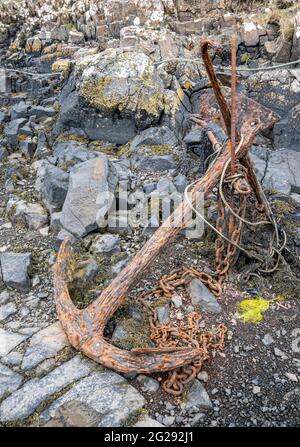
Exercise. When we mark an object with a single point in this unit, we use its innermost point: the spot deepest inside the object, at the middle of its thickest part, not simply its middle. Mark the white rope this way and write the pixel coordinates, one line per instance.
(29, 73)
(240, 69)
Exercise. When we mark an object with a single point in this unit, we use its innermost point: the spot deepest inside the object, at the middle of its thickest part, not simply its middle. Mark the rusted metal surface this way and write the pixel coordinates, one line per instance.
(85, 328)
(214, 107)
(233, 103)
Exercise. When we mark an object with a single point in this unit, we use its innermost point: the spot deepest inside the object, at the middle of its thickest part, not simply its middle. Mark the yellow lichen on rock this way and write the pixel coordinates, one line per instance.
(251, 311)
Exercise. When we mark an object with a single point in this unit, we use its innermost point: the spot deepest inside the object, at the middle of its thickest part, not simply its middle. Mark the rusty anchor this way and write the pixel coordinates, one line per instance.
(85, 328)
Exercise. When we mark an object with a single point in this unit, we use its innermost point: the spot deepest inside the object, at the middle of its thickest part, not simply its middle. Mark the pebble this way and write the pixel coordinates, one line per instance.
(203, 376)
(268, 340)
(256, 389)
(168, 420)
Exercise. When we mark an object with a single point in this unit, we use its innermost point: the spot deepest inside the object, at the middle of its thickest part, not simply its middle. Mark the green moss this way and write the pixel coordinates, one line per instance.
(137, 334)
(135, 417)
(282, 208)
(72, 137)
(161, 149)
(245, 58)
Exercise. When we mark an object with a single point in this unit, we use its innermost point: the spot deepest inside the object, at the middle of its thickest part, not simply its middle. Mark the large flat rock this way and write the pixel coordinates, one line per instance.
(89, 196)
(9, 380)
(26, 399)
(108, 393)
(44, 344)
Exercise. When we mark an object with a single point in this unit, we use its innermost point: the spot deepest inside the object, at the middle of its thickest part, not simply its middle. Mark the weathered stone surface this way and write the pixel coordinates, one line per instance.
(7, 310)
(76, 37)
(250, 34)
(54, 184)
(20, 110)
(44, 344)
(70, 153)
(272, 89)
(107, 393)
(154, 163)
(115, 83)
(296, 38)
(9, 380)
(106, 244)
(155, 136)
(287, 131)
(9, 340)
(201, 296)
(41, 111)
(148, 422)
(148, 384)
(89, 196)
(163, 314)
(12, 129)
(25, 400)
(278, 170)
(31, 215)
(15, 269)
(198, 397)
(74, 414)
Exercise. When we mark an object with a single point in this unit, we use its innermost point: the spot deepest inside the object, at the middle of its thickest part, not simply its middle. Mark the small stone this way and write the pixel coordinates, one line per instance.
(198, 397)
(177, 301)
(268, 340)
(168, 420)
(148, 422)
(256, 389)
(280, 354)
(107, 244)
(148, 384)
(163, 314)
(291, 377)
(203, 376)
(201, 296)
(31, 215)
(15, 270)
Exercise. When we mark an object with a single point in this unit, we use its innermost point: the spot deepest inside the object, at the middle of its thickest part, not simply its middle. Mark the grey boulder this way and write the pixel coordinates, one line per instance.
(90, 196)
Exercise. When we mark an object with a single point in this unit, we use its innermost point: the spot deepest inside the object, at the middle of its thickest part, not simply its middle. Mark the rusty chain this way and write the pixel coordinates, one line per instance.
(187, 333)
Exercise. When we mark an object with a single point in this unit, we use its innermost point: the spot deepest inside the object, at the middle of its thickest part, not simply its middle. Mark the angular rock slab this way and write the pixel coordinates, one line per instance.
(74, 414)
(9, 340)
(198, 397)
(7, 310)
(278, 170)
(15, 270)
(9, 380)
(107, 393)
(89, 196)
(202, 296)
(44, 345)
(26, 399)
